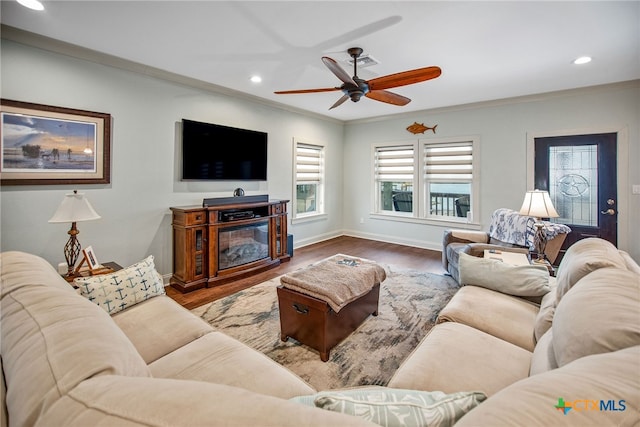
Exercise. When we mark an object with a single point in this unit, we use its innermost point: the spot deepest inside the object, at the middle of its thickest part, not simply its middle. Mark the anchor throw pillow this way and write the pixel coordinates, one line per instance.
(124, 288)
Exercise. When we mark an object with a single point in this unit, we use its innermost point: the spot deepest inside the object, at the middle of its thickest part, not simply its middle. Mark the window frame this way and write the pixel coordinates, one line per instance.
(474, 180)
(319, 210)
(377, 202)
(420, 208)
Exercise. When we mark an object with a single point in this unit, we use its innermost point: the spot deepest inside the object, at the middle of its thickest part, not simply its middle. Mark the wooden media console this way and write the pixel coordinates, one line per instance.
(216, 244)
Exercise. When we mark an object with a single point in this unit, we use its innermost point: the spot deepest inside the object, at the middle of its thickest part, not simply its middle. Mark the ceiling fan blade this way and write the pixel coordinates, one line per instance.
(404, 78)
(338, 70)
(326, 89)
(388, 97)
(339, 101)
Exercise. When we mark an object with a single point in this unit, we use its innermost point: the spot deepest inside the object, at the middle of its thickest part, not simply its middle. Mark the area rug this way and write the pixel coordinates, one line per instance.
(409, 304)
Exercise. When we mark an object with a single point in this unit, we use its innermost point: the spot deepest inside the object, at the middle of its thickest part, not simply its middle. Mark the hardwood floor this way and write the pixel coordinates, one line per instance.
(388, 253)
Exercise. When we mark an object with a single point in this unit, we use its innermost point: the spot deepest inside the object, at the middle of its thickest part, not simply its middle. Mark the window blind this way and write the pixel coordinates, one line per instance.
(308, 163)
(448, 161)
(394, 164)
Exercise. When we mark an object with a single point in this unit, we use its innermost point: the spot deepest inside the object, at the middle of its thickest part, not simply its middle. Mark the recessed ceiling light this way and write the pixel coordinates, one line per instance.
(582, 60)
(256, 79)
(32, 4)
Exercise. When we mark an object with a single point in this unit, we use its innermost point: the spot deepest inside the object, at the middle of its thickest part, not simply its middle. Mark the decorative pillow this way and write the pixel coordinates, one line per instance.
(397, 407)
(124, 288)
(520, 280)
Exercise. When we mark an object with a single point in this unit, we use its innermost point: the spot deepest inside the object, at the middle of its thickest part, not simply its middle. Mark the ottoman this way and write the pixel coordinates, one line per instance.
(322, 304)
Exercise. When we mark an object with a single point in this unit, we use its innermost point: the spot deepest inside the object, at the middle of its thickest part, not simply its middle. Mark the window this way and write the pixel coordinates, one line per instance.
(309, 178)
(394, 178)
(428, 179)
(448, 178)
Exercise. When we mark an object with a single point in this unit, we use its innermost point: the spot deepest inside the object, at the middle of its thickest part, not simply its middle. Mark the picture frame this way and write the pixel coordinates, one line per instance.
(91, 259)
(48, 145)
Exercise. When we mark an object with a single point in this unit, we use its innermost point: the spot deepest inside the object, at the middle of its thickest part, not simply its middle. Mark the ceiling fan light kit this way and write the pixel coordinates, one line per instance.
(354, 87)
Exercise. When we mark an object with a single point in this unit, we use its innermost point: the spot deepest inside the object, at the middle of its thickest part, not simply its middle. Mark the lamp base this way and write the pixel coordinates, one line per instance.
(72, 249)
(540, 241)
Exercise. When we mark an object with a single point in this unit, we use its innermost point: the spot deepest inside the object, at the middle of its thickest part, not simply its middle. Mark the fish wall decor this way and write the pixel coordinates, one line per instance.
(416, 128)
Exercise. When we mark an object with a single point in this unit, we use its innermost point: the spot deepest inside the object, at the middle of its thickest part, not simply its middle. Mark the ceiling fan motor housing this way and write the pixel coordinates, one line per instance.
(356, 92)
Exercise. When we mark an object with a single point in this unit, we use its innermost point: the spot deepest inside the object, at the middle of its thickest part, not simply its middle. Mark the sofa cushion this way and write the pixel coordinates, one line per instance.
(158, 326)
(455, 357)
(544, 318)
(598, 315)
(632, 265)
(521, 280)
(218, 358)
(124, 288)
(543, 358)
(155, 402)
(503, 316)
(609, 379)
(582, 258)
(396, 407)
(53, 339)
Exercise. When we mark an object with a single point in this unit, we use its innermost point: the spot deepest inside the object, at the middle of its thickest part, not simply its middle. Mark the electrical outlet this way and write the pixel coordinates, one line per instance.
(635, 189)
(62, 268)
(361, 220)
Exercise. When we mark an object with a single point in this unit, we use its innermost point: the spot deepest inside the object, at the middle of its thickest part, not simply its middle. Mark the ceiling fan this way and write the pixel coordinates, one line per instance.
(354, 87)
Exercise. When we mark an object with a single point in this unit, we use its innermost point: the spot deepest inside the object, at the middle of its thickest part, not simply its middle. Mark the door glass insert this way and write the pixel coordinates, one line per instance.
(574, 184)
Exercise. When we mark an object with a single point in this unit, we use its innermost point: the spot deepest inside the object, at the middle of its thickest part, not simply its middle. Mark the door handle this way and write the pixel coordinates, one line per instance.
(608, 212)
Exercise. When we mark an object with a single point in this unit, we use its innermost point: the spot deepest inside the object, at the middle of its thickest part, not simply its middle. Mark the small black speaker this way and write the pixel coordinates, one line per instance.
(290, 244)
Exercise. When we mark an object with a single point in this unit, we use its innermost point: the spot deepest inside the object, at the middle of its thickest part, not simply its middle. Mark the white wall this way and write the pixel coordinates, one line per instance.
(136, 220)
(503, 127)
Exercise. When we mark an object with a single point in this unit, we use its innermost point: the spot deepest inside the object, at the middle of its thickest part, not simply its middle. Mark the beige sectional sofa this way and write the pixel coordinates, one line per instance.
(66, 362)
(581, 345)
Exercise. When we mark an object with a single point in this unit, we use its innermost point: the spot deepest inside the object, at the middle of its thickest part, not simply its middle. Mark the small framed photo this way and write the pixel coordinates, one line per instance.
(91, 259)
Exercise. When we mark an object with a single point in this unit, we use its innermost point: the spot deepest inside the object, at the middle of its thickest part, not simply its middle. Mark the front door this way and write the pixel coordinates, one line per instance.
(580, 173)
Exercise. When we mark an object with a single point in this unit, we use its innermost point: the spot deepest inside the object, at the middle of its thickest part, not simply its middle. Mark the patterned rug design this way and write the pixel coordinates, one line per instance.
(409, 303)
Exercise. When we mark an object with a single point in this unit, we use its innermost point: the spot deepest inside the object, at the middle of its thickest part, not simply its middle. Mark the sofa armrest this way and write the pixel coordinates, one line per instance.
(460, 236)
(465, 236)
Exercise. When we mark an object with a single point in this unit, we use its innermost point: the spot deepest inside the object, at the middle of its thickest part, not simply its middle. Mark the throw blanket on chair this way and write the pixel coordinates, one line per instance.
(510, 227)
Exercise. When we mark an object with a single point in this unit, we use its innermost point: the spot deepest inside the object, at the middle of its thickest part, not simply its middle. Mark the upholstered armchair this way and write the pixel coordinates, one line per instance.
(508, 231)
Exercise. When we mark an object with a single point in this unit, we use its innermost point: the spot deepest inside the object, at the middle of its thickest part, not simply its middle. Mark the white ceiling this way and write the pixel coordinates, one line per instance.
(487, 50)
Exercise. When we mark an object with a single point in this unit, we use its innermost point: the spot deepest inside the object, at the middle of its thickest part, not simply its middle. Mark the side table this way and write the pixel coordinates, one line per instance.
(109, 267)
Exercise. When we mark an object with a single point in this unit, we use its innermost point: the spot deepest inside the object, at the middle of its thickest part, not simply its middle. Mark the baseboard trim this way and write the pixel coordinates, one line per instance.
(434, 246)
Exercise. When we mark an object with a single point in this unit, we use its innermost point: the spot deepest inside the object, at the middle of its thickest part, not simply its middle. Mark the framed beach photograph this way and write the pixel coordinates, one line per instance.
(42, 144)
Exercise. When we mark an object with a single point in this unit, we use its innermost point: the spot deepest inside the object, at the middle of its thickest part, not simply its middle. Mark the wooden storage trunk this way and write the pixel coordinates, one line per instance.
(312, 322)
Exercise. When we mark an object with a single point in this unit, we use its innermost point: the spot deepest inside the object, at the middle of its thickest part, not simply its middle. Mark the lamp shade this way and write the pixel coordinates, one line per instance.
(74, 207)
(537, 203)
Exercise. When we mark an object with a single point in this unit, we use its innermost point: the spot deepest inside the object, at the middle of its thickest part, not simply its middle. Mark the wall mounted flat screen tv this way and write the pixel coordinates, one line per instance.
(216, 152)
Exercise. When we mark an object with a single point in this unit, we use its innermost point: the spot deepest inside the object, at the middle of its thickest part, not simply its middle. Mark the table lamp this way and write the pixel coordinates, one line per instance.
(537, 203)
(74, 207)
